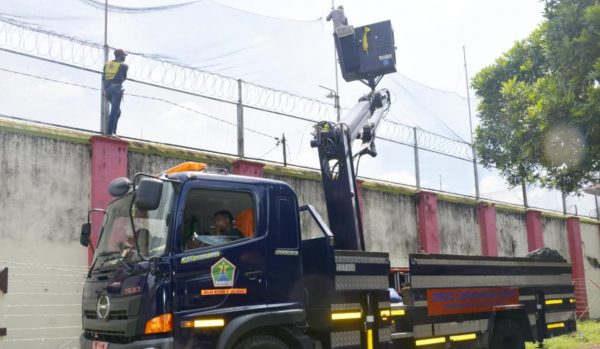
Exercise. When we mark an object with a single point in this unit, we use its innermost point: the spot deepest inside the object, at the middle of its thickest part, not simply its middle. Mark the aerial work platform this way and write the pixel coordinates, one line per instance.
(366, 53)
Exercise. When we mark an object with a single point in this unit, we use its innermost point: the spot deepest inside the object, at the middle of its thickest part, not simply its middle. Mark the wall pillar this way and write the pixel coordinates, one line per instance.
(535, 230)
(427, 222)
(487, 228)
(247, 168)
(108, 161)
(361, 202)
(578, 271)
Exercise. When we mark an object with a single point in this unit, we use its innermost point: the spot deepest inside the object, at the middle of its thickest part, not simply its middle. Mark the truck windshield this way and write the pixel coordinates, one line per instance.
(117, 243)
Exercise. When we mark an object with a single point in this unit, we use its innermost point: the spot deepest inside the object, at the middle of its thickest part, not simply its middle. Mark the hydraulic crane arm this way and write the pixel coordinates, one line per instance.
(334, 142)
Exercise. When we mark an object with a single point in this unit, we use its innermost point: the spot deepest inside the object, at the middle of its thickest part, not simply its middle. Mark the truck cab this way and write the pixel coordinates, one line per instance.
(165, 274)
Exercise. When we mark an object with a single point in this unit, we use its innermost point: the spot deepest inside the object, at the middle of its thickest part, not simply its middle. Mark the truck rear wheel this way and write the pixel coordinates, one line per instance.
(261, 341)
(507, 335)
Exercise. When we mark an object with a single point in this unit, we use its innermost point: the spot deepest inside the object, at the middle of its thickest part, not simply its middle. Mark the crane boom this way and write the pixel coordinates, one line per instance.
(334, 143)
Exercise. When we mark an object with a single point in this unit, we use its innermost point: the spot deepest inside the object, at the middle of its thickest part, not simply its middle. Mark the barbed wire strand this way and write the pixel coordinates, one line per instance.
(140, 96)
(24, 37)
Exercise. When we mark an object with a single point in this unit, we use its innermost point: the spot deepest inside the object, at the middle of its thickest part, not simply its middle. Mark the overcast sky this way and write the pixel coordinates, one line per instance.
(286, 45)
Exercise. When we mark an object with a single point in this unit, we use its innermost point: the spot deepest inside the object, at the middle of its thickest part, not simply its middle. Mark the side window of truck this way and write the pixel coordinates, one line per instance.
(217, 217)
(309, 225)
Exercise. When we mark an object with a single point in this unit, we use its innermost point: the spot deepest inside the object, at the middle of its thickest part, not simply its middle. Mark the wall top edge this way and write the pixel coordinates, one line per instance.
(152, 148)
(45, 131)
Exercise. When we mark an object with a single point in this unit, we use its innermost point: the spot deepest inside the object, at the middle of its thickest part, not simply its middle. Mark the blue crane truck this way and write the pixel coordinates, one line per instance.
(196, 258)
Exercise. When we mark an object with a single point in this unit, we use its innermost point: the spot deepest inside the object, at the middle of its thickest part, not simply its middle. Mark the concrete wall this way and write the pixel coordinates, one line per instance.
(511, 233)
(590, 235)
(459, 229)
(44, 198)
(390, 225)
(555, 235)
(148, 163)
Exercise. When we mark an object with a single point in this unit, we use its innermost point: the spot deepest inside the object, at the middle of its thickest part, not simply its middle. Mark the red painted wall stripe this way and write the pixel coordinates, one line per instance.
(427, 222)
(108, 161)
(487, 228)
(578, 272)
(535, 230)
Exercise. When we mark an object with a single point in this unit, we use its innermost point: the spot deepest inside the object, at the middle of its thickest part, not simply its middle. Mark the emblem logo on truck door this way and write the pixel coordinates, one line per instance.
(103, 307)
(223, 273)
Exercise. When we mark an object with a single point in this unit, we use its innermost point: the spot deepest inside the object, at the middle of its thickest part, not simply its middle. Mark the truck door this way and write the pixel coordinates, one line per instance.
(216, 272)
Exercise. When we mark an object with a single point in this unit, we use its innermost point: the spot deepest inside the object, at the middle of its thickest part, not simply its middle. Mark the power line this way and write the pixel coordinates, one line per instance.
(140, 96)
(17, 36)
(125, 9)
(443, 123)
(266, 16)
(268, 151)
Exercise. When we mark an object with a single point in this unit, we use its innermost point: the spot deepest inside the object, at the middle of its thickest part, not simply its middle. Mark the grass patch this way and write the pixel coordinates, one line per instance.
(587, 336)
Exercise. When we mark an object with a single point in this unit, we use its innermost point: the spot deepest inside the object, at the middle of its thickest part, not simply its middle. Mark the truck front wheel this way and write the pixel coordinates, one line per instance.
(261, 341)
(507, 335)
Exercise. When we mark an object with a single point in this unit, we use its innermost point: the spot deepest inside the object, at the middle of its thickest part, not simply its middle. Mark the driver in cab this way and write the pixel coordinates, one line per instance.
(223, 225)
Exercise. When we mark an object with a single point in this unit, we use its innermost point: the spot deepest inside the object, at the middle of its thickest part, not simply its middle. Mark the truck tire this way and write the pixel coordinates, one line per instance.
(261, 341)
(507, 335)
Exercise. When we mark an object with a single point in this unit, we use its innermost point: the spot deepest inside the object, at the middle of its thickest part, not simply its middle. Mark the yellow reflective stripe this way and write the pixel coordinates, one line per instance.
(346, 316)
(365, 39)
(209, 323)
(110, 70)
(398, 312)
(385, 313)
(438, 340)
(556, 325)
(370, 339)
(463, 337)
(554, 301)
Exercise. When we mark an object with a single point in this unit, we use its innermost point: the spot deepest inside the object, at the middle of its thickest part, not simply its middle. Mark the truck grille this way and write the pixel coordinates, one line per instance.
(114, 315)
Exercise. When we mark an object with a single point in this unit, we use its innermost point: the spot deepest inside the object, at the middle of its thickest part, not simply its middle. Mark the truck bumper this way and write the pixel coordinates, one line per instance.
(160, 343)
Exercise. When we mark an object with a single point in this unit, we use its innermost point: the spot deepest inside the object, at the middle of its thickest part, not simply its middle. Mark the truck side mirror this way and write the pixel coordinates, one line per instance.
(119, 186)
(148, 194)
(84, 239)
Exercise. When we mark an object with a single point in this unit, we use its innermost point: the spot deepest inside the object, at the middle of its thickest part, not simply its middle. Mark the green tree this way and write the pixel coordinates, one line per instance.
(540, 102)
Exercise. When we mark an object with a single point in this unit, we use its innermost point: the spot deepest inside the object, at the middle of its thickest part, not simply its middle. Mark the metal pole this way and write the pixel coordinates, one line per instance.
(417, 171)
(475, 170)
(335, 64)
(103, 101)
(283, 142)
(564, 203)
(524, 187)
(337, 103)
(240, 121)
(597, 208)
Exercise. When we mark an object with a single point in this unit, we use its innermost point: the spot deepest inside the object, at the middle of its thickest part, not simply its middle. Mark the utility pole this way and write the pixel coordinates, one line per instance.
(475, 170)
(283, 142)
(524, 188)
(337, 88)
(336, 100)
(103, 102)
(417, 169)
(240, 121)
(597, 208)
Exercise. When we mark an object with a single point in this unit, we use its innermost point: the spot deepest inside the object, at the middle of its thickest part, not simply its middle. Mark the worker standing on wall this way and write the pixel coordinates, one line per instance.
(338, 17)
(115, 73)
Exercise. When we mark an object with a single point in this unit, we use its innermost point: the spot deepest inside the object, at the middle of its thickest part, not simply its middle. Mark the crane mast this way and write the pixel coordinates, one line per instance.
(334, 143)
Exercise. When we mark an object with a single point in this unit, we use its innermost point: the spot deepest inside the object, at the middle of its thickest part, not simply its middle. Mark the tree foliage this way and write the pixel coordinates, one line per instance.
(540, 102)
